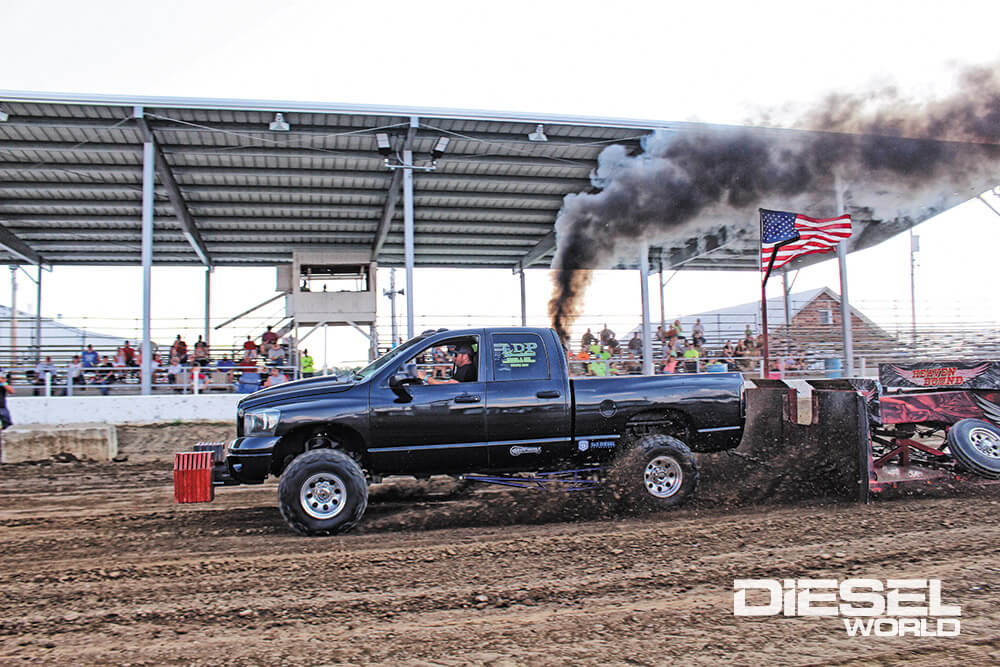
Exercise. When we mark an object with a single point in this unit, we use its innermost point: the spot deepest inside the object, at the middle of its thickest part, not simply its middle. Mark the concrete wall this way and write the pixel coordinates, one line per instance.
(94, 442)
(123, 409)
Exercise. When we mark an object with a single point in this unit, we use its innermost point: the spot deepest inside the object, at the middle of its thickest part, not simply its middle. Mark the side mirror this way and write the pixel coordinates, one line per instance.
(397, 383)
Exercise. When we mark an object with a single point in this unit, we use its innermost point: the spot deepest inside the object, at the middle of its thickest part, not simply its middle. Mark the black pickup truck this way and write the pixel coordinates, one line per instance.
(515, 412)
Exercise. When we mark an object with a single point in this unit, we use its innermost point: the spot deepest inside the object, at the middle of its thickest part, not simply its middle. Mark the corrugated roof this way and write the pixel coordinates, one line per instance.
(71, 175)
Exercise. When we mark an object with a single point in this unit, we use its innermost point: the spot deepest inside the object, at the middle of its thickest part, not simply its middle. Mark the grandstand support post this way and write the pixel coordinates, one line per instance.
(663, 310)
(148, 182)
(208, 303)
(788, 312)
(38, 318)
(524, 300)
(408, 231)
(647, 343)
(13, 315)
(373, 340)
(845, 303)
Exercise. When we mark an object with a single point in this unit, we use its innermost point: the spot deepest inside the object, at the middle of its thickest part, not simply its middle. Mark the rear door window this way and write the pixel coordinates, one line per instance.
(519, 356)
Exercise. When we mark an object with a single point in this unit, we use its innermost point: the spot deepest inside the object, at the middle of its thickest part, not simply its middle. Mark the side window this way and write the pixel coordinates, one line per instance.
(440, 361)
(519, 356)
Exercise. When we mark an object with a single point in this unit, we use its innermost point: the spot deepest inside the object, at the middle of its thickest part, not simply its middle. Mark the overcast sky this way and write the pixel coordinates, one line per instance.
(729, 62)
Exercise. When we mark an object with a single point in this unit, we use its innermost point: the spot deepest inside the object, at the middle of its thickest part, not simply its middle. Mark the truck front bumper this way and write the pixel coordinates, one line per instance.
(249, 459)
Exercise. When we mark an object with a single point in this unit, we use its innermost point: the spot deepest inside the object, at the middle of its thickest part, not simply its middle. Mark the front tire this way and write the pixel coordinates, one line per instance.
(322, 492)
(659, 472)
(975, 444)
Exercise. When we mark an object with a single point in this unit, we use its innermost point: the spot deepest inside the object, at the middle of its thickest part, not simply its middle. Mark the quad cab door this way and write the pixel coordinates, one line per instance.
(527, 403)
(443, 428)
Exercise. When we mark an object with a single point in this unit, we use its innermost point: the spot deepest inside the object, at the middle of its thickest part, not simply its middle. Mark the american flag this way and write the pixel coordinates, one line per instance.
(789, 235)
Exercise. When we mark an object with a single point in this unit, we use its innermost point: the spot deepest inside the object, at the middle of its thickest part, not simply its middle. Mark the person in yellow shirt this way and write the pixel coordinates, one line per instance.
(306, 364)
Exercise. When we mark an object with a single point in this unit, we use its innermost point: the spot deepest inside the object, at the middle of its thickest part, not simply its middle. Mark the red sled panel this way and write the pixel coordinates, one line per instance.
(193, 477)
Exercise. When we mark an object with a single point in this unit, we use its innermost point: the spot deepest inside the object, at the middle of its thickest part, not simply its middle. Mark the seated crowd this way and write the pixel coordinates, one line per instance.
(263, 365)
(603, 355)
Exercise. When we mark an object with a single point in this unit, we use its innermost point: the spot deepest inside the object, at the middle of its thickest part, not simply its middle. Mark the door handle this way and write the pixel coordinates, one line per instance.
(467, 398)
(548, 393)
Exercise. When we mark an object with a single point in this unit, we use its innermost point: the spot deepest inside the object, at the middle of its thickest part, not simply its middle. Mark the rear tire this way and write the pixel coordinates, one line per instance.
(659, 472)
(975, 444)
(322, 492)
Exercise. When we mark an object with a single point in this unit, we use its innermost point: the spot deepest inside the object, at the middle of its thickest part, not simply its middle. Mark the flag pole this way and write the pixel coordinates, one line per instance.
(763, 306)
(763, 310)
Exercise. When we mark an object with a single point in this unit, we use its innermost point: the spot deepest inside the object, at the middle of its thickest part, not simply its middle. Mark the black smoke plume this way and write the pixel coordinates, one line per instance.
(679, 175)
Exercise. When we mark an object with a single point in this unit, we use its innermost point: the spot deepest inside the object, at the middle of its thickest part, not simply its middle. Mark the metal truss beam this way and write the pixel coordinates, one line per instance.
(188, 225)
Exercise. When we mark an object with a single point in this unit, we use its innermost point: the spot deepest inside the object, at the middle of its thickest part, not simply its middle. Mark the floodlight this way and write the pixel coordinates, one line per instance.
(279, 124)
(439, 148)
(538, 134)
(383, 143)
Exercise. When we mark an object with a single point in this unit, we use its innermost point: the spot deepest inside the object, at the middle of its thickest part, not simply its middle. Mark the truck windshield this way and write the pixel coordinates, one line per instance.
(387, 358)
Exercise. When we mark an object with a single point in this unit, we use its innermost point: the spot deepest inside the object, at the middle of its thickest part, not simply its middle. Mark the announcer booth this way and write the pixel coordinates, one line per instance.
(325, 193)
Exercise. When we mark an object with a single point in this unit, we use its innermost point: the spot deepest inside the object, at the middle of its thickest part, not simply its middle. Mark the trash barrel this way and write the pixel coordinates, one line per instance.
(833, 368)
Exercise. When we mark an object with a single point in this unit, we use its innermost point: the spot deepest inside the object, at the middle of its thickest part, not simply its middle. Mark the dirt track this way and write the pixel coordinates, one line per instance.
(100, 567)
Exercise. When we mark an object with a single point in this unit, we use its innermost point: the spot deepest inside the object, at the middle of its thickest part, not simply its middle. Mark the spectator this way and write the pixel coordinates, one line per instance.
(175, 374)
(632, 364)
(275, 378)
(600, 366)
(268, 341)
(127, 353)
(107, 376)
(606, 335)
(226, 365)
(671, 331)
(728, 353)
(698, 333)
(89, 357)
(74, 372)
(247, 363)
(661, 334)
(588, 339)
(249, 348)
(276, 356)
(200, 352)
(154, 365)
(43, 369)
(306, 364)
(613, 346)
(635, 345)
(748, 336)
(180, 350)
(691, 357)
(5, 389)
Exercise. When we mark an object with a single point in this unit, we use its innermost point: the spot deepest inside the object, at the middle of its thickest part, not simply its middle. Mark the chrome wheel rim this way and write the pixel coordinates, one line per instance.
(663, 477)
(323, 496)
(986, 441)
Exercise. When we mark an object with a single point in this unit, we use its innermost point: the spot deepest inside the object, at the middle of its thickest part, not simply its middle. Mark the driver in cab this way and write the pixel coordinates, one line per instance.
(464, 371)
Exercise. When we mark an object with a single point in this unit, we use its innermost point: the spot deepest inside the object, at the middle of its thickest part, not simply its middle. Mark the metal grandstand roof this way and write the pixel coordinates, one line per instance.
(71, 175)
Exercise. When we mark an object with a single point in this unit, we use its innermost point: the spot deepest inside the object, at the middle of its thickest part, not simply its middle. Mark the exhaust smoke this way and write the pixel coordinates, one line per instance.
(680, 176)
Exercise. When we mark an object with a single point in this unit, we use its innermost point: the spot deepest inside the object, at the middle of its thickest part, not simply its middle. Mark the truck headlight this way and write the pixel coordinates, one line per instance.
(257, 422)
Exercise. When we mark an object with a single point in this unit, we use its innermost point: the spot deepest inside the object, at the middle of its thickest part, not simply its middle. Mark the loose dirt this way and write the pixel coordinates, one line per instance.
(99, 566)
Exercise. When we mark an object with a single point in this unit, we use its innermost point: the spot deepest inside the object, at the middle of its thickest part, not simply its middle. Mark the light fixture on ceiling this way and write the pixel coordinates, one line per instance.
(279, 124)
(439, 148)
(538, 134)
(383, 143)
(3, 115)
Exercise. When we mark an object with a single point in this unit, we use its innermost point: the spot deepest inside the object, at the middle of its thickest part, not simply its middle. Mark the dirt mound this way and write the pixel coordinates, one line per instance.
(780, 460)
